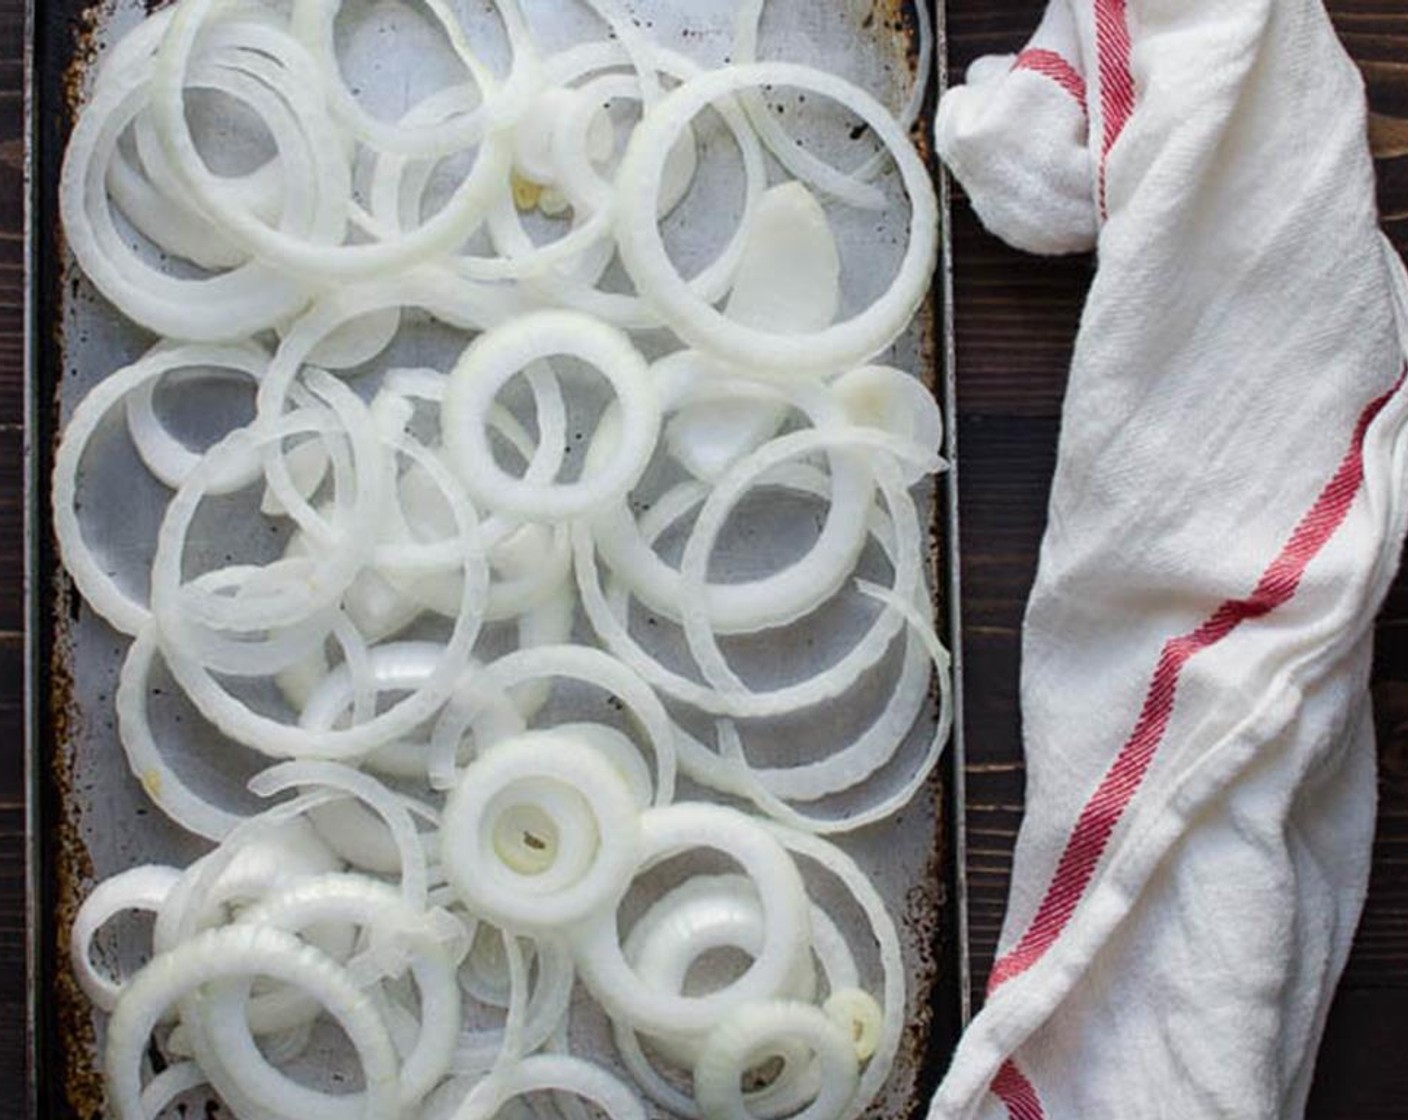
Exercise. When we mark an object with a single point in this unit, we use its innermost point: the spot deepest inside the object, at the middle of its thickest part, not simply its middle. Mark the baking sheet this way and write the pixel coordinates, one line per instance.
(92, 819)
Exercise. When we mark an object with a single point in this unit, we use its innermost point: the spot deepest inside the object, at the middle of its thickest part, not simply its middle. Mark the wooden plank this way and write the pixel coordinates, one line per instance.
(11, 533)
(13, 980)
(1361, 1074)
(11, 214)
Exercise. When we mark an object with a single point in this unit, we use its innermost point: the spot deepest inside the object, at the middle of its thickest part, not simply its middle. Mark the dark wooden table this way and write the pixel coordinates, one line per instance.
(12, 846)
(1016, 321)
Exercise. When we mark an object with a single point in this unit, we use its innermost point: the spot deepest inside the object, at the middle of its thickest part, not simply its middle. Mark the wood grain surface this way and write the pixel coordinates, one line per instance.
(12, 845)
(1016, 321)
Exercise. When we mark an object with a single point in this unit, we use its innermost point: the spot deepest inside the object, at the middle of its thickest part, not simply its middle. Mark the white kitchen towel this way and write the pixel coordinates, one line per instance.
(1227, 514)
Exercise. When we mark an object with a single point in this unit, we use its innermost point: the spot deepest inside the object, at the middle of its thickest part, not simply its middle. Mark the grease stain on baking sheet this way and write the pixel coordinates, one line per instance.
(924, 920)
(69, 863)
(87, 44)
(71, 872)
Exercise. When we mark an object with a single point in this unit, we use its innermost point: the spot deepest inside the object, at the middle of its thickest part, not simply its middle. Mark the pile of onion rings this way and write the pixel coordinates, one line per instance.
(446, 556)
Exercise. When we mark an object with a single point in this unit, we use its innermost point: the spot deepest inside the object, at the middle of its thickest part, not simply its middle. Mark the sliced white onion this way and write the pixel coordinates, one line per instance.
(882, 928)
(789, 277)
(163, 454)
(848, 766)
(856, 1012)
(451, 225)
(555, 1072)
(665, 832)
(894, 401)
(242, 953)
(711, 283)
(261, 854)
(139, 888)
(753, 605)
(734, 700)
(402, 545)
(494, 359)
(475, 698)
(849, 187)
(271, 736)
(313, 21)
(401, 937)
(748, 784)
(546, 1010)
(165, 1087)
(231, 305)
(98, 587)
(844, 345)
(394, 811)
(751, 1036)
(539, 834)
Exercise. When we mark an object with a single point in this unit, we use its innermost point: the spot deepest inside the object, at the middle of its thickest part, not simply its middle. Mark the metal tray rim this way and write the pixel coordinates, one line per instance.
(33, 531)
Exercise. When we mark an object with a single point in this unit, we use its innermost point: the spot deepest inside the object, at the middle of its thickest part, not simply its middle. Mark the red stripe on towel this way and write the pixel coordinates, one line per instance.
(1017, 1093)
(1051, 65)
(1112, 48)
(1103, 811)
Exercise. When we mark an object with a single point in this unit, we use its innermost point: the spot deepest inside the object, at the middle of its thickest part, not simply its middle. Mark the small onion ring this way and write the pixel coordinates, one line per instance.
(454, 223)
(231, 305)
(737, 1043)
(271, 736)
(493, 359)
(577, 792)
(773, 600)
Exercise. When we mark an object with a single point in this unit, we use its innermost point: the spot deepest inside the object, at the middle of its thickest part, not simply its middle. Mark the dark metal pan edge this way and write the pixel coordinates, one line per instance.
(57, 37)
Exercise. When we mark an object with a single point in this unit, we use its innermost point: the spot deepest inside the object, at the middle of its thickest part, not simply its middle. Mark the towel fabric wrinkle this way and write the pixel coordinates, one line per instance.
(1226, 517)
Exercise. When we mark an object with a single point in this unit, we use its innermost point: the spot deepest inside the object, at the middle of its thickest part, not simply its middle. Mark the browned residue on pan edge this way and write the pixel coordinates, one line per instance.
(72, 872)
(74, 1051)
(924, 916)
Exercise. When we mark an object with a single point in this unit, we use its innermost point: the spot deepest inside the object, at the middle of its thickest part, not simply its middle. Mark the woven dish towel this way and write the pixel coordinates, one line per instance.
(1226, 517)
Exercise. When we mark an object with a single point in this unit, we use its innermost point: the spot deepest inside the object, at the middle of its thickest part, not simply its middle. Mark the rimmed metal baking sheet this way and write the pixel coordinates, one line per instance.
(87, 816)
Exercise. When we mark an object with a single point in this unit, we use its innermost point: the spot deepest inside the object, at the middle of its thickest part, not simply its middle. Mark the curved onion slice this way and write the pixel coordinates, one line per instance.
(848, 187)
(234, 953)
(98, 587)
(837, 347)
(555, 1072)
(882, 928)
(664, 832)
(494, 359)
(401, 936)
(745, 606)
(230, 305)
(139, 888)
